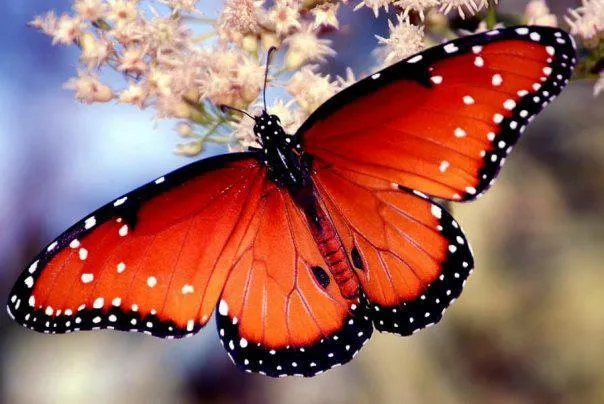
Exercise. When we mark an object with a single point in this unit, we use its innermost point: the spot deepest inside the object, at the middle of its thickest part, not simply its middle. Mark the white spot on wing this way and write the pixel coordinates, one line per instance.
(120, 201)
(123, 231)
(33, 267)
(98, 303)
(436, 211)
(459, 132)
(90, 222)
(187, 289)
(87, 278)
(223, 308)
(437, 79)
(443, 166)
(509, 104)
(450, 48)
(151, 281)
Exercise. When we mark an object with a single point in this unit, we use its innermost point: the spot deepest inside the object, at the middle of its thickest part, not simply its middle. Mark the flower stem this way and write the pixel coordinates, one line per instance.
(491, 17)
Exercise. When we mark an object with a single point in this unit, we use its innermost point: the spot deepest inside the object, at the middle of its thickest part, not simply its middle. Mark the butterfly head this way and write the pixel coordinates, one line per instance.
(268, 129)
(287, 164)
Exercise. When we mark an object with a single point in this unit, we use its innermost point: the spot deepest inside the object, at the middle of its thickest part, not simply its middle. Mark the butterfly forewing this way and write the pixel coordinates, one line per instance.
(153, 261)
(442, 122)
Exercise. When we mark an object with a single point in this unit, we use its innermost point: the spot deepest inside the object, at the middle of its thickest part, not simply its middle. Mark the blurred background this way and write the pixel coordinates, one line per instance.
(529, 327)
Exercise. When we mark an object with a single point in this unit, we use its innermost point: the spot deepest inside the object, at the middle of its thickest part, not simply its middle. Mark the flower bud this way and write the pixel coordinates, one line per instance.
(250, 43)
(184, 129)
(189, 149)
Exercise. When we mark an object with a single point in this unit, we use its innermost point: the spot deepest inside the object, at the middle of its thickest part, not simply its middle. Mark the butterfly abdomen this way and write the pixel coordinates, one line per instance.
(329, 243)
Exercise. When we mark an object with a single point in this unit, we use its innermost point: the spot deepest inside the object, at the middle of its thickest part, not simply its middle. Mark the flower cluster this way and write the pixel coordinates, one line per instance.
(185, 65)
(465, 8)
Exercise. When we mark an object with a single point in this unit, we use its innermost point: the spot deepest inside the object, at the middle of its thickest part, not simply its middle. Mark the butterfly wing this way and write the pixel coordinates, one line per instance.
(281, 312)
(410, 255)
(443, 121)
(154, 260)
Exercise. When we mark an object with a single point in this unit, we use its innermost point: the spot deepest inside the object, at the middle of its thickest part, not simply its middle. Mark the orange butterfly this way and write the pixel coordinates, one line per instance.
(305, 245)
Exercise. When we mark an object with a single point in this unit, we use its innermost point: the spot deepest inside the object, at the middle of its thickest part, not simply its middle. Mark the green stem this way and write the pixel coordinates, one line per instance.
(219, 139)
(491, 17)
(102, 24)
(200, 20)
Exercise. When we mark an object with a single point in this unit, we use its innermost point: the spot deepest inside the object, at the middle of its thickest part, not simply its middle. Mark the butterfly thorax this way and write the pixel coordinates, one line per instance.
(287, 164)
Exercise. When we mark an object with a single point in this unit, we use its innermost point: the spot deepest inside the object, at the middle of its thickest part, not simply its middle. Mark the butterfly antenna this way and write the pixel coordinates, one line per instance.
(224, 108)
(268, 62)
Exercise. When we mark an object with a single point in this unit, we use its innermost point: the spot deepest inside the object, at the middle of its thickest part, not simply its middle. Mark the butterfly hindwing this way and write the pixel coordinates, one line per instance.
(410, 255)
(281, 312)
(154, 260)
(443, 121)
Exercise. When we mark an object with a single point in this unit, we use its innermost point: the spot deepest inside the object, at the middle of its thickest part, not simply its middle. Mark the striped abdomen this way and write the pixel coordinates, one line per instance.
(329, 243)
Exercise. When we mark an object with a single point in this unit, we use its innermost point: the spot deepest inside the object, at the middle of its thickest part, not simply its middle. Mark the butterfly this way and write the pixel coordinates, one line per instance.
(303, 246)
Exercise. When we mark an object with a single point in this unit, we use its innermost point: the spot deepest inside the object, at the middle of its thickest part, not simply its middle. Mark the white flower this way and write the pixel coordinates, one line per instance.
(537, 13)
(89, 89)
(310, 89)
(122, 11)
(238, 19)
(347, 81)
(470, 7)
(95, 52)
(587, 21)
(133, 61)
(243, 132)
(67, 30)
(91, 10)
(305, 46)
(290, 118)
(181, 5)
(375, 5)
(135, 95)
(405, 39)
(325, 15)
(416, 5)
(285, 16)
(46, 23)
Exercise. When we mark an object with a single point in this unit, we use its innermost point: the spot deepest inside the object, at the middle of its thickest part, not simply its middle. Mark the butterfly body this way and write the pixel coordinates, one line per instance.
(303, 246)
(287, 164)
